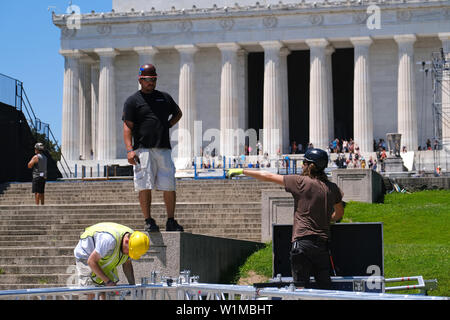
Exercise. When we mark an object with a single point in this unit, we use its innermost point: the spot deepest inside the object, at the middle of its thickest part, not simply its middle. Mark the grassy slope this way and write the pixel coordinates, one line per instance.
(416, 237)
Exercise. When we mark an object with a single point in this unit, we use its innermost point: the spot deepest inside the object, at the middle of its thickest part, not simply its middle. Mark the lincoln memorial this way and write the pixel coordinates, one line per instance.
(270, 71)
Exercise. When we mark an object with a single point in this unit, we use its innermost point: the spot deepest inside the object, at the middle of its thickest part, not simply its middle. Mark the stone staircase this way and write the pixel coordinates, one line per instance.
(36, 242)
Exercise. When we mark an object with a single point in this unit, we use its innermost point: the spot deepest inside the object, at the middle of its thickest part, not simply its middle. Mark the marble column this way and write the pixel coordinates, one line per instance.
(146, 55)
(272, 99)
(95, 74)
(329, 65)
(445, 93)
(242, 107)
(285, 141)
(70, 146)
(406, 99)
(318, 94)
(85, 107)
(187, 103)
(362, 96)
(229, 119)
(107, 119)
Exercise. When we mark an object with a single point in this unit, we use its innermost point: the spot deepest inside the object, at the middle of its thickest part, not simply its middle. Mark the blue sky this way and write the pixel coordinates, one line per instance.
(29, 51)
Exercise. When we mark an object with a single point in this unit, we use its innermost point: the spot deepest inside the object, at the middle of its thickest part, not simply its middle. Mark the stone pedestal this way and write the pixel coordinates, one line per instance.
(393, 164)
(364, 185)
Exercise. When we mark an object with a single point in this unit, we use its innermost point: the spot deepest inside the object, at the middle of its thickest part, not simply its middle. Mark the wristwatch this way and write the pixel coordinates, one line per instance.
(128, 151)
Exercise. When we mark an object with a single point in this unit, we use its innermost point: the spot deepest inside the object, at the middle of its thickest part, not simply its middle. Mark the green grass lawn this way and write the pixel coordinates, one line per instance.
(416, 231)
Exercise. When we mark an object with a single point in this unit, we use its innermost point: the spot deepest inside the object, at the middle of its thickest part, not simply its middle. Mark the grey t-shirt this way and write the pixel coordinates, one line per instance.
(102, 242)
(40, 168)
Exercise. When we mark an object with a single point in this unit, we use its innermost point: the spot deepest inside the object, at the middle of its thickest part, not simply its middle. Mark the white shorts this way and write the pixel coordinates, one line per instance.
(84, 274)
(156, 170)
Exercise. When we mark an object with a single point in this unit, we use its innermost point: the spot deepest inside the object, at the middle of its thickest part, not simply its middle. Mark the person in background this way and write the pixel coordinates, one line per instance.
(39, 165)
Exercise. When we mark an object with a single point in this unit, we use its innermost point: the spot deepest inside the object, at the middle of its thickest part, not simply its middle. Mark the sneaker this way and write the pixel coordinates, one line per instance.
(152, 226)
(172, 225)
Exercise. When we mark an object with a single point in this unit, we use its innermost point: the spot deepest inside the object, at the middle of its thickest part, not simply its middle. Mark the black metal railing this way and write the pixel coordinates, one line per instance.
(13, 93)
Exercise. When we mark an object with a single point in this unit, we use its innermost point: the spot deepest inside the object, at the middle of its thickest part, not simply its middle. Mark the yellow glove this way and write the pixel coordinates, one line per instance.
(234, 172)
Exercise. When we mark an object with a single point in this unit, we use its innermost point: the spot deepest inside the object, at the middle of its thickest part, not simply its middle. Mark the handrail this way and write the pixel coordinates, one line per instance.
(21, 101)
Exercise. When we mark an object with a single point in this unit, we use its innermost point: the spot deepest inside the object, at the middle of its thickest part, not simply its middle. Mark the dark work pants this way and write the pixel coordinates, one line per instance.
(310, 257)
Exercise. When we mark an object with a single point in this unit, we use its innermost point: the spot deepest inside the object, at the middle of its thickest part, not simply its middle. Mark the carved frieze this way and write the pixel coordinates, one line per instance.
(404, 15)
(104, 29)
(184, 26)
(144, 28)
(359, 17)
(68, 33)
(227, 24)
(270, 22)
(316, 19)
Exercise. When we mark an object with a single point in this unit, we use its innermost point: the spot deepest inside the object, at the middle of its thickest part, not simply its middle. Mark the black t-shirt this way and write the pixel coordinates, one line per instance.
(150, 114)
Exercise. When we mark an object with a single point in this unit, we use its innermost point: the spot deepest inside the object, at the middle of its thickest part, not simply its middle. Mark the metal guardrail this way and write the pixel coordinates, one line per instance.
(192, 290)
(13, 93)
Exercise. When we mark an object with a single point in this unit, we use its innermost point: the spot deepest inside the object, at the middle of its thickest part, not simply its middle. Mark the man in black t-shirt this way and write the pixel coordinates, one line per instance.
(147, 117)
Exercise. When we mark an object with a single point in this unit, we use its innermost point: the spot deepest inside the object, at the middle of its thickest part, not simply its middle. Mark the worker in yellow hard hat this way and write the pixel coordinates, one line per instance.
(105, 246)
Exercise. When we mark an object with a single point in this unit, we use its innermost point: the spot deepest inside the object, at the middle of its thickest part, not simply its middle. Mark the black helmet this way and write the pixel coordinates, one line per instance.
(317, 156)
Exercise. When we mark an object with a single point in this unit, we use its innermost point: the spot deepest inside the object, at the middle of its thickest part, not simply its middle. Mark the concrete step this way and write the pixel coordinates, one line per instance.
(37, 269)
(54, 279)
(50, 207)
(30, 286)
(8, 240)
(104, 200)
(37, 242)
(37, 260)
(185, 214)
(36, 251)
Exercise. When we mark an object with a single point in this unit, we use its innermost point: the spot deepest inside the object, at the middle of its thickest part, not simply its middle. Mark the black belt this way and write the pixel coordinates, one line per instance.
(313, 237)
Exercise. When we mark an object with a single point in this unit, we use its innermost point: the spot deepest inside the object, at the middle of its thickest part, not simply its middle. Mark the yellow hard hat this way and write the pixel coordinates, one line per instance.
(138, 245)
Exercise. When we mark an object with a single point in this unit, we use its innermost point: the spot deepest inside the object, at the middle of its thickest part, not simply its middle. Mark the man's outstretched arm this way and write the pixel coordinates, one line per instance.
(257, 174)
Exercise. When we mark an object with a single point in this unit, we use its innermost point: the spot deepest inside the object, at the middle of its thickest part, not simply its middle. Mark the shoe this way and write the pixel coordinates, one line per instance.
(152, 226)
(172, 225)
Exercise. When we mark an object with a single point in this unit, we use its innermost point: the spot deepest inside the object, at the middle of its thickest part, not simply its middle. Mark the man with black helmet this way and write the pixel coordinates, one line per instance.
(147, 117)
(39, 165)
(317, 202)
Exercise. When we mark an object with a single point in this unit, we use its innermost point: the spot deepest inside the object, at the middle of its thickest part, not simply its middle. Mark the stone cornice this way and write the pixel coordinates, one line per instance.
(248, 11)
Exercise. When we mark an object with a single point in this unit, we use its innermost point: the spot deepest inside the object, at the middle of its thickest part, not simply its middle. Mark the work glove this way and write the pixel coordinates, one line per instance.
(234, 172)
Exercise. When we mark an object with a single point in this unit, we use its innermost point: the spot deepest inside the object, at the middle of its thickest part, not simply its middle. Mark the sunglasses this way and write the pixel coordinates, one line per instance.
(149, 79)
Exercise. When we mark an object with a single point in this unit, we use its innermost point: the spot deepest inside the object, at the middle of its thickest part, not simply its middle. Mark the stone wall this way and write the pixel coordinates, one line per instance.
(210, 258)
(419, 183)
